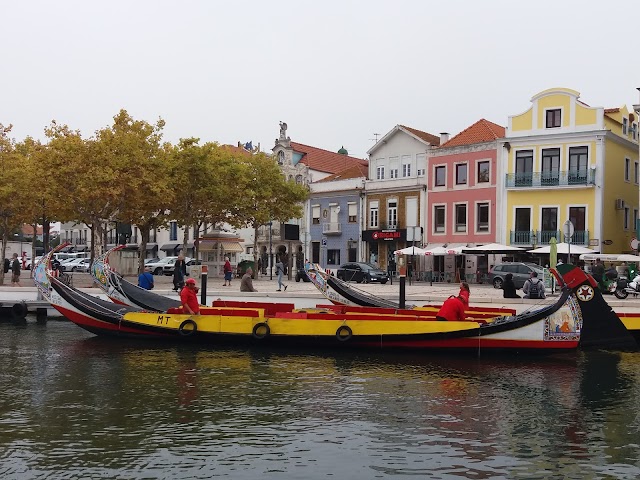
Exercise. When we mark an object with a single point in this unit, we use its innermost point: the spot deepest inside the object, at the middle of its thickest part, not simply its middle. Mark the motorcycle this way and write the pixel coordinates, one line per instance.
(624, 288)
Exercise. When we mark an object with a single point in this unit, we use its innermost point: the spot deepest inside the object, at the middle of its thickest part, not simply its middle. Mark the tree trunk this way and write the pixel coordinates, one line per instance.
(4, 252)
(145, 233)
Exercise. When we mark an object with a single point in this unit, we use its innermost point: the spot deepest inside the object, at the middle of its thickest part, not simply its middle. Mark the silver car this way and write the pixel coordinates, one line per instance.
(521, 272)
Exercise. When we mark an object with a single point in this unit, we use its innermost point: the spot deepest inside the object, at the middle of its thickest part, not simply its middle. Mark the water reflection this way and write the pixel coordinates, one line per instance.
(76, 406)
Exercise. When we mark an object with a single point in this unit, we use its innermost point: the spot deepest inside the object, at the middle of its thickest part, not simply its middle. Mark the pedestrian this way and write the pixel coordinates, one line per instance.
(145, 279)
(508, 287)
(598, 271)
(246, 284)
(533, 287)
(280, 273)
(189, 298)
(228, 272)
(179, 272)
(453, 308)
(259, 265)
(15, 271)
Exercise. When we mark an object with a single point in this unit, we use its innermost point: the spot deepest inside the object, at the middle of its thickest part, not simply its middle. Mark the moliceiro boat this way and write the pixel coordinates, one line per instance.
(123, 292)
(564, 325)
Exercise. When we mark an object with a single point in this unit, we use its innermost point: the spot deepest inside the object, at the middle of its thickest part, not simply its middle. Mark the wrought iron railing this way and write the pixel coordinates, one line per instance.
(550, 179)
(543, 237)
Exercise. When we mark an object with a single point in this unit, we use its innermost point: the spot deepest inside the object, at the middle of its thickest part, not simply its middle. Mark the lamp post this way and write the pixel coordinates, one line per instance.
(21, 255)
(270, 254)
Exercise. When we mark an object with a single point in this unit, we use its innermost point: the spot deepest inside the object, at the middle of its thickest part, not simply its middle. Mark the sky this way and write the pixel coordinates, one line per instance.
(337, 72)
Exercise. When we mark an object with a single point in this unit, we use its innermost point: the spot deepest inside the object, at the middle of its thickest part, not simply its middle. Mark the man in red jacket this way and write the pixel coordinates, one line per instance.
(453, 308)
(189, 298)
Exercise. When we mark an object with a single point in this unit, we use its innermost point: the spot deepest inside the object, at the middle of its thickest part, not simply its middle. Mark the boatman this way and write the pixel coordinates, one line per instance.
(189, 298)
(453, 308)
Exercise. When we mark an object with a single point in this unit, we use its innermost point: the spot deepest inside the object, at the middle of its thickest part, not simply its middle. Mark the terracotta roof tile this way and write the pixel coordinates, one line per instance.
(427, 137)
(480, 132)
(355, 171)
(324, 160)
(234, 149)
(611, 110)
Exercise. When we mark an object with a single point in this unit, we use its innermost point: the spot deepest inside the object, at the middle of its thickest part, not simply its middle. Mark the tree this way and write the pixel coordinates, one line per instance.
(267, 196)
(14, 190)
(206, 179)
(139, 160)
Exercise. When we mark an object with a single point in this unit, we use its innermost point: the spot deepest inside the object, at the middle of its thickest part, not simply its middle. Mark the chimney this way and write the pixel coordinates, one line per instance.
(444, 137)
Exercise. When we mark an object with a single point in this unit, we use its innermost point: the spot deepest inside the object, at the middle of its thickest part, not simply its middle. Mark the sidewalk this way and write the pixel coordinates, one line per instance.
(304, 294)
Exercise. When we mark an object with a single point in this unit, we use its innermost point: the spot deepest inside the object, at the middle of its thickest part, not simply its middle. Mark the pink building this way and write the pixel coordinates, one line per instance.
(462, 178)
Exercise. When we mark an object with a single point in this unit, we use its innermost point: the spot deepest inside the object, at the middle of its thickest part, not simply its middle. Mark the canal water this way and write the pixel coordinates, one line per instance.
(75, 406)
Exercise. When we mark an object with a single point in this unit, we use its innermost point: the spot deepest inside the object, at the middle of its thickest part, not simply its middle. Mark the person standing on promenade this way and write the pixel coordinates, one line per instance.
(280, 273)
(228, 272)
(179, 272)
(246, 284)
(15, 271)
(453, 308)
(145, 279)
(189, 298)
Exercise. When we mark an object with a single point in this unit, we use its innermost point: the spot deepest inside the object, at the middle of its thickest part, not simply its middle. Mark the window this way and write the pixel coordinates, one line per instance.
(635, 172)
(625, 126)
(549, 224)
(578, 158)
(482, 224)
(634, 131)
(627, 168)
(392, 214)
(280, 158)
(553, 118)
(523, 226)
(421, 164)
(393, 173)
(441, 173)
(373, 215)
(461, 174)
(333, 257)
(524, 167)
(353, 212)
(299, 179)
(315, 215)
(483, 172)
(380, 173)
(406, 165)
(626, 218)
(173, 231)
(438, 219)
(578, 216)
(550, 166)
(461, 217)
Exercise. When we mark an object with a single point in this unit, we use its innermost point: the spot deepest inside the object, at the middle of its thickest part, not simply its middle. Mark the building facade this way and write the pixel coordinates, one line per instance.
(396, 193)
(566, 161)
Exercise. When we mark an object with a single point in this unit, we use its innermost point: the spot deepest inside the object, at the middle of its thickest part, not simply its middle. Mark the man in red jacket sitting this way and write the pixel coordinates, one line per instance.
(453, 308)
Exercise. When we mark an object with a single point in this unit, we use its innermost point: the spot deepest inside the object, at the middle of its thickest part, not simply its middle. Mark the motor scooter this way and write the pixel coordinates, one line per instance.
(624, 288)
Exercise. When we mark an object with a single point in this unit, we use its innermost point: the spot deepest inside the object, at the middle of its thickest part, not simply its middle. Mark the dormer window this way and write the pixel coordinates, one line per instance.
(554, 118)
(625, 125)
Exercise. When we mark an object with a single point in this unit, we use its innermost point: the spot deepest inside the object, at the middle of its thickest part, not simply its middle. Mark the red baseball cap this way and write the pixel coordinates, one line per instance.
(190, 281)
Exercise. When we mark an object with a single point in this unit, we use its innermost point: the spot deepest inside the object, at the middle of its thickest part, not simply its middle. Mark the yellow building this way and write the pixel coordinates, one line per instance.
(565, 160)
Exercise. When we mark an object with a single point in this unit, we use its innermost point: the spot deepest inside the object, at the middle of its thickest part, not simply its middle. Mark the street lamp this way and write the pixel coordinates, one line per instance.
(21, 255)
(270, 254)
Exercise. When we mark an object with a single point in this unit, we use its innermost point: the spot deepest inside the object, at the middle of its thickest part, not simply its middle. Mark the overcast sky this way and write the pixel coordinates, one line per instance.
(336, 71)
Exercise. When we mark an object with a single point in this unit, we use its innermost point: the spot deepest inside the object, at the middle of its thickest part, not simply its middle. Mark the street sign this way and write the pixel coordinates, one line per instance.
(607, 242)
(567, 229)
(324, 242)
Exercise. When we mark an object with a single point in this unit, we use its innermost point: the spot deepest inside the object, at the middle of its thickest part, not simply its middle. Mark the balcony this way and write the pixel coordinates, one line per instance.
(332, 229)
(543, 237)
(551, 179)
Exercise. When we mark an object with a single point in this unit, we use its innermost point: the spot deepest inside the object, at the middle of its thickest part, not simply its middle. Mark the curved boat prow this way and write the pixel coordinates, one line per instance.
(123, 292)
(339, 292)
(601, 327)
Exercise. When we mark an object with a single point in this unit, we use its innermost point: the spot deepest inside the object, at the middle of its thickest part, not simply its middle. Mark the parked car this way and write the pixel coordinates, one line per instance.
(520, 271)
(361, 272)
(75, 265)
(169, 267)
(302, 275)
(151, 260)
(157, 267)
